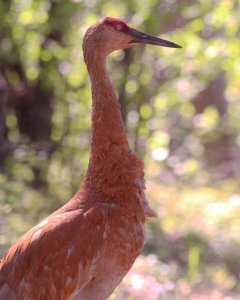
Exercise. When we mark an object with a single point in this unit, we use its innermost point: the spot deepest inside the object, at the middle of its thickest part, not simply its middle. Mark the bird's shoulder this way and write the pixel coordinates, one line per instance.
(61, 246)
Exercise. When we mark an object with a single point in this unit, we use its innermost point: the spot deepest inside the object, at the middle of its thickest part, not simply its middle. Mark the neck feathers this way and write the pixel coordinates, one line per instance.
(114, 170)
(107, 125)
(110, 155)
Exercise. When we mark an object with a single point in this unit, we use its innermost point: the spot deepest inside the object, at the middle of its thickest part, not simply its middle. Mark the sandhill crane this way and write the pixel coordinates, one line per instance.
(84, 249)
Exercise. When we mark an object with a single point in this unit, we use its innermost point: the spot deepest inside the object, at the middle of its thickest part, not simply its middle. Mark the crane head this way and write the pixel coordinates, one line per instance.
(111, 34)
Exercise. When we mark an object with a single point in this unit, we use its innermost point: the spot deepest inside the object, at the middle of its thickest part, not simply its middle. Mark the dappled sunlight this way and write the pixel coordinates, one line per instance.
(209, 211)
(181, 113)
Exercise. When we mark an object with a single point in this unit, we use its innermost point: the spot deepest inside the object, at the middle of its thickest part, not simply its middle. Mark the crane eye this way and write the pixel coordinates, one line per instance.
(118, 26)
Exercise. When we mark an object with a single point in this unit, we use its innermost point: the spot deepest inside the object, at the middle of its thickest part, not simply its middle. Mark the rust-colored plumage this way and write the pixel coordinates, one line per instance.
(84, 249)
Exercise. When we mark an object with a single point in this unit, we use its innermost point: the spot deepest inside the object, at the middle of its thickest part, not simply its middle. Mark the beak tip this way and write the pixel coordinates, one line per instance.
(173, 45)
(144, 38)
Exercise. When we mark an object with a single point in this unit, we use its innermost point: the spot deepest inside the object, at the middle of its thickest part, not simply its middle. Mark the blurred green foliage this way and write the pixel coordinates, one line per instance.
(181, 110)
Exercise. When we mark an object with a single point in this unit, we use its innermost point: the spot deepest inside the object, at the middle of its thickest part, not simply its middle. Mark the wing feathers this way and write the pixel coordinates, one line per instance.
(59, 255)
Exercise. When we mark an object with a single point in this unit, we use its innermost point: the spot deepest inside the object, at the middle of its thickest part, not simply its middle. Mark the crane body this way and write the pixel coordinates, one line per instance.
(83, 250)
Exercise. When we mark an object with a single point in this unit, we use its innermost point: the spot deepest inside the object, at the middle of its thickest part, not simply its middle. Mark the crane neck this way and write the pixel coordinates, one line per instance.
(115, 174)
(107, 123)
(108, 137)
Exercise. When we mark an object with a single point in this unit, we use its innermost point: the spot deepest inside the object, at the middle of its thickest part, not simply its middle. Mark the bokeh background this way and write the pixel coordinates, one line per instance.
(181, 110)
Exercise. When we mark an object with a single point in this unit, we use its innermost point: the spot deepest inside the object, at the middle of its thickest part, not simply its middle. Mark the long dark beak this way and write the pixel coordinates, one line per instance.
(143, 38)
